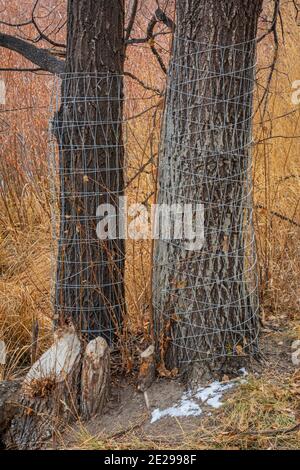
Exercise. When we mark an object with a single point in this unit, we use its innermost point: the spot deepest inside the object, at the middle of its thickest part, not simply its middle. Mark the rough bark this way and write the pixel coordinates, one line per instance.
(90, 272)
(49, 395)
(95, 377)
(9, 406)
(184, 280)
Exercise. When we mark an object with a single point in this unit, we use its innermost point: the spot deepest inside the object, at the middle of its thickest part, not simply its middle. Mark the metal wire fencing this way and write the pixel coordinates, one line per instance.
(205, 292)
(206, 298)
(87, 172)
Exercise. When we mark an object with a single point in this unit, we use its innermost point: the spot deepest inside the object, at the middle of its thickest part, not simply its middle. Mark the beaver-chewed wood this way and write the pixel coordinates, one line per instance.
(95, 377)
(49, 394)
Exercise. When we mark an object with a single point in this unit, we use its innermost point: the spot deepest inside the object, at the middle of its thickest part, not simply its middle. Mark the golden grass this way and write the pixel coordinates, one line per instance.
(276, 177)
(260, 405)
(24, 293)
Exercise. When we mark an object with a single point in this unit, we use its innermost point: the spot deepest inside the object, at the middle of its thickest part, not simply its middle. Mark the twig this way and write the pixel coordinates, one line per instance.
(270, 432)
(280, 216)
(272, 30)
(40, 32)
(131, 20)
(127, 430)
(14, 69)
(143, 84)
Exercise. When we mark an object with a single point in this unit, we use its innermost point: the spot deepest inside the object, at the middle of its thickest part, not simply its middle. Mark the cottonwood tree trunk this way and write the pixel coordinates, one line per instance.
(69, 378)
(204, 305)
(89, 281)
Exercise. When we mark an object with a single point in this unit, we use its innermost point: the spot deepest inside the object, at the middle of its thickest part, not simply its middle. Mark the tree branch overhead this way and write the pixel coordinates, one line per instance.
(40, 57)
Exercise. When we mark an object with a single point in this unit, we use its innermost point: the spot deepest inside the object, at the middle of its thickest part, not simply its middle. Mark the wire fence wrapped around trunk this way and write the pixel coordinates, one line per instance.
(206, 298)
(87, 165)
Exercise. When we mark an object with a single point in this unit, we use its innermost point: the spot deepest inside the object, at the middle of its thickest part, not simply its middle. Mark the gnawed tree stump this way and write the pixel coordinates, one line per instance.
(94, 377)
(49, 395)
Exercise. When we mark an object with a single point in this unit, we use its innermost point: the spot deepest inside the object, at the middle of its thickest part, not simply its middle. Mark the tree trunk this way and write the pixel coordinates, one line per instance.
(89, 281)
(94, 378)
(204, 303)
(48, 398)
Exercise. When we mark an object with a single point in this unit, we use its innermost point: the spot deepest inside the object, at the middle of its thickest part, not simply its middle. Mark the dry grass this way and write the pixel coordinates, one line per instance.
(261, 414)
(262, 405)
(24, 293)
(277, 178)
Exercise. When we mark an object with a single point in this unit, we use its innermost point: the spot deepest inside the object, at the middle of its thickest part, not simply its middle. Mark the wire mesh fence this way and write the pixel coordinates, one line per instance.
(206, 299)
(103, 145)
(87, 166)
(205, 295)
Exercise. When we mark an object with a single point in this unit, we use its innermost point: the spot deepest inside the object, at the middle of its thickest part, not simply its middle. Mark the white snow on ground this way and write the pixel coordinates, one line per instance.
(186, 407)
(210, 395)
(243, 371)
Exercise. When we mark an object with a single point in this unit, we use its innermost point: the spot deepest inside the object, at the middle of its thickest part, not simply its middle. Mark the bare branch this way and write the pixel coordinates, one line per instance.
(42, 35)
(272, 30)
(144, 40)
(158, 17)
(143, 84)
(16, 25)
(163, 18)
(278, 215)
(140, 170)
(20, 69)
(40, 57)
(297, 9)
(131, 19)
(274, 21)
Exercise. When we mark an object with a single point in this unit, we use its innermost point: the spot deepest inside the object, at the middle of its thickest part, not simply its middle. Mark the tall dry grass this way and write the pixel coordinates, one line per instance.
(277, 175)
(25, 231)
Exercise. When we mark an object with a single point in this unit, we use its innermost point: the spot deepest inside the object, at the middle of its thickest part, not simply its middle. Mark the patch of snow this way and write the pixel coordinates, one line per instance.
(211, 395)
(186, 407)
(215, 401)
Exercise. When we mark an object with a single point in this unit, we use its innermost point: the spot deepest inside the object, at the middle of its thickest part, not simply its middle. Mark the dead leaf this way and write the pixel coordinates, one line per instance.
(164, 372)
(239, 350)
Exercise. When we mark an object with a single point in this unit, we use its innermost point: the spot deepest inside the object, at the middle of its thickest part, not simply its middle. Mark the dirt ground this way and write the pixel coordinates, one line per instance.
(126, 411)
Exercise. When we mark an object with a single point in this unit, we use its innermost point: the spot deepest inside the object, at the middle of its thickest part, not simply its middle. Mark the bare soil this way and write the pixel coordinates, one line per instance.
(126, 409)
